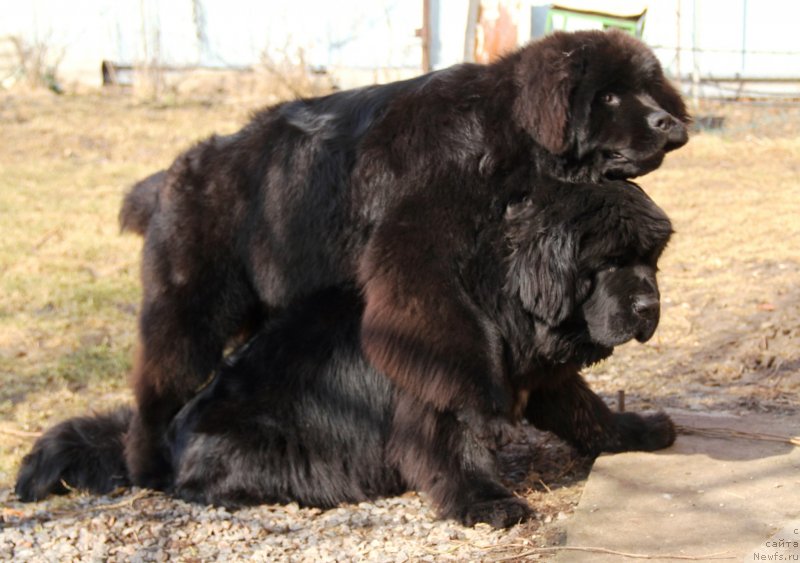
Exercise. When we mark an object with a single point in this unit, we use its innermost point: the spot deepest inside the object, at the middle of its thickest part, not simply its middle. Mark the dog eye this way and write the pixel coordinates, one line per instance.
(610, 99)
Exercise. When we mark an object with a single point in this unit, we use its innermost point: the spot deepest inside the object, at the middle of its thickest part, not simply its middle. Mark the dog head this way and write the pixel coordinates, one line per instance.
(601, 101)
(583, 264)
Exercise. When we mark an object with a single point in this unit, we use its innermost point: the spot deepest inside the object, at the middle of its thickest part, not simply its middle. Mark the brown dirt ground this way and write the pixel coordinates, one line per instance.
(728, 338)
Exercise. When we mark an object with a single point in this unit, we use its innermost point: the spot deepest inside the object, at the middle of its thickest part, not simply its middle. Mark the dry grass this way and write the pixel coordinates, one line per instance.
(731, 314)
(68, 280)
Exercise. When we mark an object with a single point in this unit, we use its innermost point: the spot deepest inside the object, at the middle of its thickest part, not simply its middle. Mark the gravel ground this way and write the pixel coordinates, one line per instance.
(140, 525)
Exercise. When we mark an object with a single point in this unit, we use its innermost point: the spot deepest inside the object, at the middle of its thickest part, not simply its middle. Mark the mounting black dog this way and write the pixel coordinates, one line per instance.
(242, 226)
(547, 279)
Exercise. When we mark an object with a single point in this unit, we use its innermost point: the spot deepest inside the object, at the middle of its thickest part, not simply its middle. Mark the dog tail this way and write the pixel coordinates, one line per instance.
(141, 202)
(85, 453)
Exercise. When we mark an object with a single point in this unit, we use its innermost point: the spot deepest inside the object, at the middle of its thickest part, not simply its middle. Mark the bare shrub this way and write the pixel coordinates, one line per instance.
(291, 75)
(32, 63)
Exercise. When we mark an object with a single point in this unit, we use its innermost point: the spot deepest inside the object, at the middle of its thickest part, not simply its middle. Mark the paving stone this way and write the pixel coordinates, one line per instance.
(705, 495)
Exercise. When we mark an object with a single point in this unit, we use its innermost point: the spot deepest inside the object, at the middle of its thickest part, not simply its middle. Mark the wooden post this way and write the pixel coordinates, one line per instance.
(425, 35)
(469, 37)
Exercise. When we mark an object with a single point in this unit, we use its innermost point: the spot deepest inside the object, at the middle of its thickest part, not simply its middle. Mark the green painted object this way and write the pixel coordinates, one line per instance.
(562, 18)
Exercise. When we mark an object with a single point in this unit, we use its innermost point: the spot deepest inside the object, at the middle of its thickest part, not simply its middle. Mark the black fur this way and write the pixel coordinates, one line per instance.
(140, 203)
(82, 453)
(244, 225)
(532, 288)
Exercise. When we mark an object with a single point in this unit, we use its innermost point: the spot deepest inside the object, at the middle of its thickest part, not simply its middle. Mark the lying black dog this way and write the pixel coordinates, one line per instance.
(558, 274)
(241, 226)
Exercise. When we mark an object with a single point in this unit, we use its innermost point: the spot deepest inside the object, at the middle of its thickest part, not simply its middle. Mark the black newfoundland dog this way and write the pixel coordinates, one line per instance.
(547, 279)
(320, 193)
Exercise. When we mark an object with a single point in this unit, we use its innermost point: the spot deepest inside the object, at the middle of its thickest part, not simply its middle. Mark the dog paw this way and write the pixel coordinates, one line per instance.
(660, 431)
(39, 476)
(645, 432)
(499, 513)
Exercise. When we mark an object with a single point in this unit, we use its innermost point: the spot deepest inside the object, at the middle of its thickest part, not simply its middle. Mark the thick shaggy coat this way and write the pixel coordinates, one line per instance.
(305, 196)
(547, 279)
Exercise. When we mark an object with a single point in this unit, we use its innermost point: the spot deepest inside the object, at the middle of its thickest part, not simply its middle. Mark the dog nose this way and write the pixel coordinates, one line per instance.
(648, 310)
(676, 132)
(646, 306)
(678, 135)
(661, 120)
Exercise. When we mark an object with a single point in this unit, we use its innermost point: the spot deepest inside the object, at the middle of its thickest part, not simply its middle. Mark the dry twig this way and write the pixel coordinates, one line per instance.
(541, 550)
(714, 432)
(128, 501)
(20, 433)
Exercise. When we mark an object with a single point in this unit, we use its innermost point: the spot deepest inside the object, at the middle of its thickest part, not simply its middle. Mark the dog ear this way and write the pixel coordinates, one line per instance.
(546, 74)
(542, 265)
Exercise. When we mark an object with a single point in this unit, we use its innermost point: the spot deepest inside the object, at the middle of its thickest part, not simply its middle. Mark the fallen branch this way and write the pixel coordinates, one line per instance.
(72, 512)
(714, 432)
(20, 433)
(603, 550)
(144, 493)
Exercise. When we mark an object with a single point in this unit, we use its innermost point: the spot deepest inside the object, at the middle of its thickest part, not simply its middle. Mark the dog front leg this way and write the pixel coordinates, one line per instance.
(438, 453)
(566, 406)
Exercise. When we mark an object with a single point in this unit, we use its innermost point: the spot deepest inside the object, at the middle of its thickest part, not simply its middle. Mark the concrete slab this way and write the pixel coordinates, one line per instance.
(733, 497)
